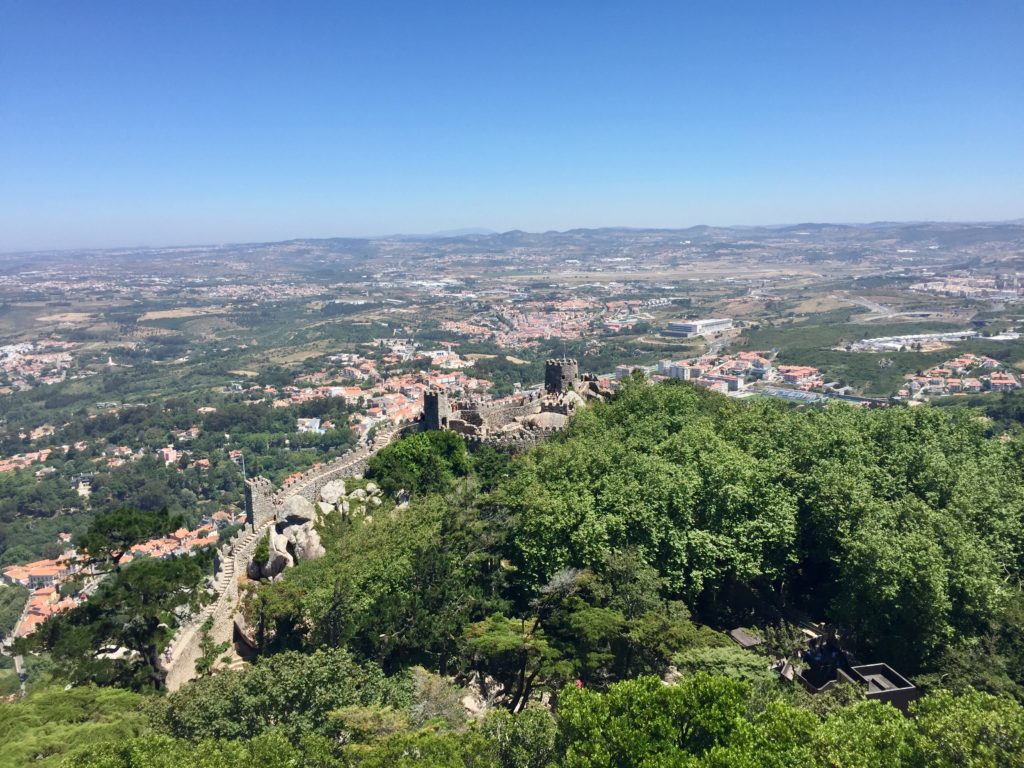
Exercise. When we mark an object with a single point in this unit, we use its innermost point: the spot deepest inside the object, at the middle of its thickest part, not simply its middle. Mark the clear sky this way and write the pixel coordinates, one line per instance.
(170, 121)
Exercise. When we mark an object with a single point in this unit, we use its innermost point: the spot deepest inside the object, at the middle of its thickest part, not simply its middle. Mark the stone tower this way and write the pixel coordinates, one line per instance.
(436, 410)
(561, 376)
(259, 502)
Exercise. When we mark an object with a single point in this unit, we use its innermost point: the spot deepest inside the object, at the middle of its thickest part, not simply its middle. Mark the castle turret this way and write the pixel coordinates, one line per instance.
(560, 376)
(437, 410)
(259, 502)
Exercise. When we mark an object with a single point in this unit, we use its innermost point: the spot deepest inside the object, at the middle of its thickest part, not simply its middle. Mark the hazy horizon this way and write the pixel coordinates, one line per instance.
(484, 231)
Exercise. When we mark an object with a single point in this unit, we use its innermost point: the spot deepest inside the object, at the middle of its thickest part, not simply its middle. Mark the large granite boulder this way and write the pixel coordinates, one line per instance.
(296, 509)
(333, 491)
(308, 545)
(278, 559)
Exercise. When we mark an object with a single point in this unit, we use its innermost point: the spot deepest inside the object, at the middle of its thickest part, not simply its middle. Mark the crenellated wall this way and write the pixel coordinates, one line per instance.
(181, 654)
(515, 441)
(261, 505)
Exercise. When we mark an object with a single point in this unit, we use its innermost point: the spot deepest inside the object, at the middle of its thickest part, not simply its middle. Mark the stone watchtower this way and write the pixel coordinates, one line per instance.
(437, 410)
(259, 502)
(561, 375)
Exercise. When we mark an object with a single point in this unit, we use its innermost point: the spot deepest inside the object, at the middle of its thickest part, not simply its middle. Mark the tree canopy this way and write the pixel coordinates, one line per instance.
(579, 592)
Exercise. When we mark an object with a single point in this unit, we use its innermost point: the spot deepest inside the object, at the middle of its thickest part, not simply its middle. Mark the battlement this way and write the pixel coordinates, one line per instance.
(437, 409)
(261, 504)
(561, 375)
(516, 441)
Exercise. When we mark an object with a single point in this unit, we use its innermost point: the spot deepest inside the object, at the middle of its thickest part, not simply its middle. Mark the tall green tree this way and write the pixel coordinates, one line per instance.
(115, 637)
(110, 536)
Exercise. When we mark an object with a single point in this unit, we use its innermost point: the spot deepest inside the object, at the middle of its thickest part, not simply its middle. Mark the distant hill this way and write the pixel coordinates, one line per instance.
(324, 256)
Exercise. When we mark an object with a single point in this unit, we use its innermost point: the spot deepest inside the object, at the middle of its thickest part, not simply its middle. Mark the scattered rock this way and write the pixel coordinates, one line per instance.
(372, 489)
(332, 491)
(358, 493)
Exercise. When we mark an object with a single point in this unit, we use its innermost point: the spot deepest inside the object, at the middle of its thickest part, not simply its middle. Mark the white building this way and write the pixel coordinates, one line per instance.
(688, 328)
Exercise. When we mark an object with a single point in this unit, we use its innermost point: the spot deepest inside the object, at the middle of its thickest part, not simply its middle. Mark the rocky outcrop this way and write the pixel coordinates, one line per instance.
(264, 508)
(277, 560)
(332, 492)
(308, 545)
(295, 511)
(293, 535)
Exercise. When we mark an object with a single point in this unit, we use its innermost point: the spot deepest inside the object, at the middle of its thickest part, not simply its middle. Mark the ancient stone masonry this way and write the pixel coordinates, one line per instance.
(516, 442)
(265, 508)
(436, 410)
(560, 376)
(259, 502)
(519, 422)
(288, 513)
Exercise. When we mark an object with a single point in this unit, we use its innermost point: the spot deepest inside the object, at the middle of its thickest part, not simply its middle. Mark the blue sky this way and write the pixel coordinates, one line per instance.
(129, 123)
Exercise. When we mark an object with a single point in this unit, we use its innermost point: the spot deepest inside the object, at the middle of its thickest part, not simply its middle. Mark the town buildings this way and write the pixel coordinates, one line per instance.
(964, 374)
(45, 577)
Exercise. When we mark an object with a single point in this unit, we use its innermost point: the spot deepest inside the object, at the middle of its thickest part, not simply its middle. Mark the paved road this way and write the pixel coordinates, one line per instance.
(878, 311)
(24, 613)
(19, 667)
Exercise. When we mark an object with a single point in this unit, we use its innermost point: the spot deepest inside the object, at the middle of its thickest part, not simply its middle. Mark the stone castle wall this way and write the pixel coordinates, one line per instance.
(183, 652)
(514, 441)
(262, 503)
(487, 416)
(503, 414)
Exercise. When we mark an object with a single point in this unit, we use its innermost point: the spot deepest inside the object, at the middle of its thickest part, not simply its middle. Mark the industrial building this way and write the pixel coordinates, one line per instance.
(688, 328)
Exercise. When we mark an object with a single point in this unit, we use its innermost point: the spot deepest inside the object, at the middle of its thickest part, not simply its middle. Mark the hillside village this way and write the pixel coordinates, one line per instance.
(49, 579)
(964, 374)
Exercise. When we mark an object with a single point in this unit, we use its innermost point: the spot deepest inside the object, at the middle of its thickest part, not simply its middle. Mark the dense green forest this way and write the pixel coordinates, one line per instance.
(324, 709)
(901, 526)
(558, 591)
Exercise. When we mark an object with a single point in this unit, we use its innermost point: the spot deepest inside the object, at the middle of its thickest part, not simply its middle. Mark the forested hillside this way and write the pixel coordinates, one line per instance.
(567, 607)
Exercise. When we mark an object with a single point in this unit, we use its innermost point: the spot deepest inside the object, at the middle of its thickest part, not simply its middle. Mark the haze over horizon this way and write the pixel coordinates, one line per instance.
(485, 232)
(126, 124)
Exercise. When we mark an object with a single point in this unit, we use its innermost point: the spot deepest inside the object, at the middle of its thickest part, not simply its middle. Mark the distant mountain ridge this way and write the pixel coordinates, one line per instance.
(940, 233)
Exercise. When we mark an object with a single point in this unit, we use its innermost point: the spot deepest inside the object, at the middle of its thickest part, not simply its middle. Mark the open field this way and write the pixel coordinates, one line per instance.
(67, 317)
(293, 355)
(818, 304)
(171, 314)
